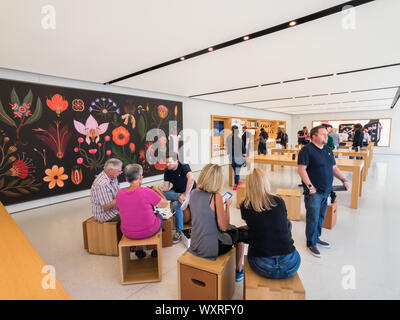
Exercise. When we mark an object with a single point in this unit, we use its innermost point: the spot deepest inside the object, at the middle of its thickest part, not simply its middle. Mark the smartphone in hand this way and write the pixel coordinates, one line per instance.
(227, 195)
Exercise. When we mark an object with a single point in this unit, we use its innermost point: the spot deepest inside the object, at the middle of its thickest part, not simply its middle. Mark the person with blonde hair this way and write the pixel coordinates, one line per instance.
(212, 235)
(271, 251)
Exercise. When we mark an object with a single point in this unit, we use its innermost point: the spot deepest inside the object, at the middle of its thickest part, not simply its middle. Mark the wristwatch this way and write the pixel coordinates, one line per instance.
(310, 186)
(344, 180)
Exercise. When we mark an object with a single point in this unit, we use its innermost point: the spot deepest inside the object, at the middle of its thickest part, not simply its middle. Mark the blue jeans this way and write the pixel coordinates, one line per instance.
(278, 267)
(316, 205)
(236, 171)
(173, 196)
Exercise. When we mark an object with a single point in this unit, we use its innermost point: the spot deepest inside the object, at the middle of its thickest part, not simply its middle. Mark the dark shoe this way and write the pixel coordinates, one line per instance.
(315, 252)
(140, 254)
(154, 254)
(323, 244)
(177, 237)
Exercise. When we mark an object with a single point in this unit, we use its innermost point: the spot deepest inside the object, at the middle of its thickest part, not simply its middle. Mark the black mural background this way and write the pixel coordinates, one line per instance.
(39, 136)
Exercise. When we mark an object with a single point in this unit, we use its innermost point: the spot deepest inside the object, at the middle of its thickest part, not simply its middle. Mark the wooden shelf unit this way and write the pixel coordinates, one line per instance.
(218, 142)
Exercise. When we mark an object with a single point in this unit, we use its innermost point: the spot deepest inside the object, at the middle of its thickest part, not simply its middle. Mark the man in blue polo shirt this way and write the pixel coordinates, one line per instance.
(182, 179)
(316, 167)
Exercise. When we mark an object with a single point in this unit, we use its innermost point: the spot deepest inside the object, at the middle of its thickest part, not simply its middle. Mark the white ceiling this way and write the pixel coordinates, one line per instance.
(103, 40)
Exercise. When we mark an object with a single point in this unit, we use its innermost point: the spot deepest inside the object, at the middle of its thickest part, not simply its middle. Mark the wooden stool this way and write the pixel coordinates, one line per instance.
(331, 216)
(240, 194)
(292, 198)
(167, 232)
(140, 270)
(203, 279)
(101, 238)
(256, 287)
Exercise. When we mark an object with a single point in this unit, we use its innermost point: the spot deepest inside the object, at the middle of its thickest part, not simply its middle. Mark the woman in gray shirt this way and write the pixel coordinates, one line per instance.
(212, 235)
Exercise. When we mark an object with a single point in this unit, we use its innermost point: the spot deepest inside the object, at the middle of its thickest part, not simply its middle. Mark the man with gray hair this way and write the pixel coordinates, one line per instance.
(104, 191)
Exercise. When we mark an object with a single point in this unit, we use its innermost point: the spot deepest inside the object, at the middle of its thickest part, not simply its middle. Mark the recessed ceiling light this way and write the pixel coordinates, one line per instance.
(210, 49)
(292, 23)
(246, 38)
(182, 58)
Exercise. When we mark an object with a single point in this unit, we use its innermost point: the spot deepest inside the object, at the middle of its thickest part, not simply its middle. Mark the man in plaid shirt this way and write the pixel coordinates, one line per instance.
(104, 191)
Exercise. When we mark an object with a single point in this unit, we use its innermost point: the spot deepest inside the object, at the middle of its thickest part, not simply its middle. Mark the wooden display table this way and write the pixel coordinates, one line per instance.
(354, 166)
(21, 266)
(362, 154)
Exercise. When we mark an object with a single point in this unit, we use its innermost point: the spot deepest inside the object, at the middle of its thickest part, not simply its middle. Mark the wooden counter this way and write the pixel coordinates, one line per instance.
(21, 266)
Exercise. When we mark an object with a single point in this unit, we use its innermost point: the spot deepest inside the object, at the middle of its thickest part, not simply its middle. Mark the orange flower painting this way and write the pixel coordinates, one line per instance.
(57, 104)
(120, 136)
(55, 176)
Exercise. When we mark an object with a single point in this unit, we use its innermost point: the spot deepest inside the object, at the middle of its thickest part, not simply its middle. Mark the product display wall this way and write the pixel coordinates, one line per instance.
(378, 129)
(54, 140)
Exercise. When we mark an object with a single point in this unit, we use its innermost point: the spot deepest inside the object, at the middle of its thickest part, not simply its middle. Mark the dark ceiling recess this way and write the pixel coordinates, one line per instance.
(304, 79)
(325, 94)
(280, 27)
(396, 98)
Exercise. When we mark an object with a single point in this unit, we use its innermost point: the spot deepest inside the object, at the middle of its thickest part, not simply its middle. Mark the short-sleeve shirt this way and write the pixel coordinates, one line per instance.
(178, 177)
(138, 220)
(319, 164)
(269, 233)
(302, 140)
(102, 192)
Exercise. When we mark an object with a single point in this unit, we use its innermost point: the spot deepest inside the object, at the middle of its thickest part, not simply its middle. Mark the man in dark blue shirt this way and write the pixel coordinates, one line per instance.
(316, 167)
(182, 179)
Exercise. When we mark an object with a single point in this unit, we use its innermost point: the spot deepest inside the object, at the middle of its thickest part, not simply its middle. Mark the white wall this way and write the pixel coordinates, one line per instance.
(196, 116)
(298, 121)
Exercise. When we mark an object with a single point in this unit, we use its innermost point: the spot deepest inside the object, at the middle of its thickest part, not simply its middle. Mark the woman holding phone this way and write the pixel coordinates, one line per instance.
(271, 251)
(212, 235)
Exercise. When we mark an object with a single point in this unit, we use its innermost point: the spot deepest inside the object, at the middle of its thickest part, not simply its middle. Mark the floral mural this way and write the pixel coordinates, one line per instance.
(61, 145)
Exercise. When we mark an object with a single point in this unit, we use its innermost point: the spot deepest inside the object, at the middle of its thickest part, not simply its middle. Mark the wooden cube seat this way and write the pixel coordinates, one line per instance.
(140, 270)
(204, 279)
(256, 287)
(331, 216)
(240, 194)
(292, 198)
(101, 238)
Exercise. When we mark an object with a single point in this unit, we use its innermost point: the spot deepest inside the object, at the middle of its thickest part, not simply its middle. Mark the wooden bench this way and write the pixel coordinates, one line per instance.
(23, 272)
(292, 198)
(101, 238)
(140, 270)
(204, 279)
(256, 287)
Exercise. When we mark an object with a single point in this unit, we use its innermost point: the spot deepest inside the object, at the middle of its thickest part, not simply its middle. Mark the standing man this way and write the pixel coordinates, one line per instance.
(182, 179)
(316, 167)
(330, 143)
(335, 136)
(246, 136)
(302, 136)
(234, 150)
(104, 191)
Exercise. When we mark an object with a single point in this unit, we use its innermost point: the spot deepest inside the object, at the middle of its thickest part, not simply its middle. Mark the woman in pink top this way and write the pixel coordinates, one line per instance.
(135, 205)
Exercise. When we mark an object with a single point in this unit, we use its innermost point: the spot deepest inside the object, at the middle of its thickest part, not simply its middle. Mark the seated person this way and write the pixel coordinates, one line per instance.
(135, 205)
(104, 190)
(271, 252)
(211, 234)
(182, 179)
